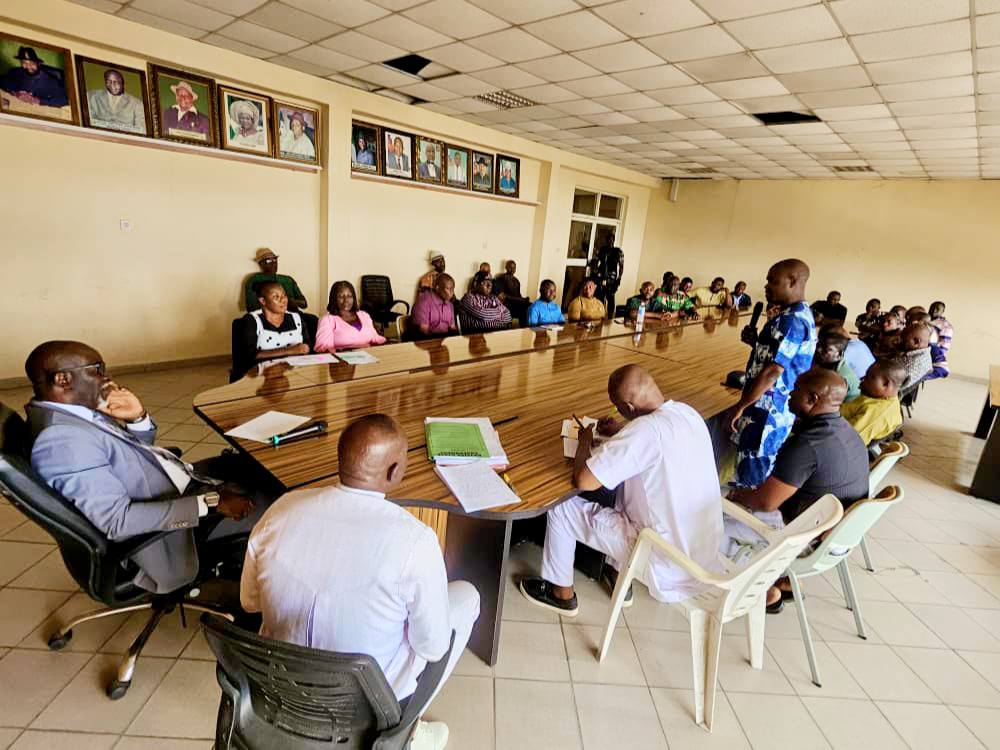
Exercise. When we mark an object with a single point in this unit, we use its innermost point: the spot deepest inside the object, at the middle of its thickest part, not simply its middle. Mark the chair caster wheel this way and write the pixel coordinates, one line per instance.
(58, 641)
(116, 689)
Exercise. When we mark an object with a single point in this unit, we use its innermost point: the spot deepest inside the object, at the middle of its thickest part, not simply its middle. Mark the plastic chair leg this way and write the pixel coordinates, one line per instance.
(855, 607)
(625, 577)
(868, 558)
(706, 645)
(800, 609)
(755, 620)
(845, 588)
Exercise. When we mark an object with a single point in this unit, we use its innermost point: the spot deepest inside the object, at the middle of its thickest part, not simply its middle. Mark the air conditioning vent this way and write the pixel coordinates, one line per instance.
(505, 100)
(785, 118)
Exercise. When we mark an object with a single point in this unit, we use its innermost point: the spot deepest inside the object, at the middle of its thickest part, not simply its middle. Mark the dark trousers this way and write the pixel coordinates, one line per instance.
(607, 296)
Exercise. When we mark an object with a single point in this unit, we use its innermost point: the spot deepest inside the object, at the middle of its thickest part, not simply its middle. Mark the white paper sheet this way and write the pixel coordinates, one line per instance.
(476, 486)
(357, 358)
(268, 424)
(310, 359)
(571, 432)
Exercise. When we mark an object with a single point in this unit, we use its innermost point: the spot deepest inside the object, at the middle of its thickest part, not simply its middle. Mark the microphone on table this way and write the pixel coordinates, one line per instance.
(317, 428)
(757, 310)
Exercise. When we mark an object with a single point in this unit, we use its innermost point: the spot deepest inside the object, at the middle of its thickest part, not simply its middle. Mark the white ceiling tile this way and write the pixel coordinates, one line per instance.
(304, 66)
(383, 76)
(863, 112)
(427, 91)
(362, 47)
(803, 129)
(887, 150)
(564, 123)
(929, 40)
(608, 119)
(596, 86)
(989, 118)
(546, 93)
(809, 24)
(354, 13)
(537, 112)
(639, 18)
(725, 68)
(232, 44)
(509, 77)
(772, 140)
(433, 70)
(442, 109)
(470, 104)
(864, 126)
(536, 127)
(184, 12)
(831, 79)
(927, 148)
(933, 134)
(616, 140)
(514, 45)
(656, 77)
(934, 106)
(625, 102)
(397, 4)
(845, 98)
(456, 18)
(873, 137)
(580, 107)
(988, 83)
(458, 56)
(258, 36)
(703, 135)
(164, 24)
(526, 11)
(559, 68)
(922, 68)
(575, 31)
(404, 33)
(615, 58)
(960, 120)
(748, 88)
(771, 104)
(988, 103)
(693, 44)
(988, 59)
(729, 121)
(232, 7)
(293, 22)
(863, 16)
(464, 85)
(827, 148)
(828, 139)
(709, 109)
(832, 53)
(334, 62)
(656, 114)
(938, 89)
(683, 95)
(350, 81)
(988, 30)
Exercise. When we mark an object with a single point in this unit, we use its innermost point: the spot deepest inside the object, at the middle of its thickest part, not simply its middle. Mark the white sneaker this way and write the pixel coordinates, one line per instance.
(429, 735)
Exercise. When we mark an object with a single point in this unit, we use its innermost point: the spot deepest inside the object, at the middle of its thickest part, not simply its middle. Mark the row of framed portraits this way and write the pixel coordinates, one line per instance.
(381, 150)
(37, 80)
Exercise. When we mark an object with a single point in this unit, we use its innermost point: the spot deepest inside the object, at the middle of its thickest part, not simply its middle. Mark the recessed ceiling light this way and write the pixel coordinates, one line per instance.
(505, 100)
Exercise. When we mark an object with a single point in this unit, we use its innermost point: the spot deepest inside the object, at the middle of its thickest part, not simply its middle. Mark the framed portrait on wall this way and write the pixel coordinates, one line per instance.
(246, 121)
(482, 172)
(297, 133)
(457, 167)
(364, 147)
(397, 154)
(36, 80)
(430, 160)
(113, 97)
(183, 106)
(508, 176)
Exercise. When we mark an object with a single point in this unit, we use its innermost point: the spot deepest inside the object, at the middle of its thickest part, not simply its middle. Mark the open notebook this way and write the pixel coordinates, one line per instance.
(476, 486)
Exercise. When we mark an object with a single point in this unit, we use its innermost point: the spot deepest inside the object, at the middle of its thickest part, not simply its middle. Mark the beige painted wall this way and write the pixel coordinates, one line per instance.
(167, 290)
(905, 242)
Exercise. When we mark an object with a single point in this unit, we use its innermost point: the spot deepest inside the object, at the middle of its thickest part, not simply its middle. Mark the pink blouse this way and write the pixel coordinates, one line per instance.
(336, 333)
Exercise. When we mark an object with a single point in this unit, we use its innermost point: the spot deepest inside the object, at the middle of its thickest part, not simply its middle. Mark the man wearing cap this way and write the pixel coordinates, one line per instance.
(243, 121)
(183, 118)
(268, 262)
(428, 279)
(34, 82)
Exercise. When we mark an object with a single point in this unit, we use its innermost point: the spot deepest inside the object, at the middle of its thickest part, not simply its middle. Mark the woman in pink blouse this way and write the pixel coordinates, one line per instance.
(345, 326)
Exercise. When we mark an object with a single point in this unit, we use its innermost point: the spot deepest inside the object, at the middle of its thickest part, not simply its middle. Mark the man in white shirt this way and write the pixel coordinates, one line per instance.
(662, 459)
(341, 569)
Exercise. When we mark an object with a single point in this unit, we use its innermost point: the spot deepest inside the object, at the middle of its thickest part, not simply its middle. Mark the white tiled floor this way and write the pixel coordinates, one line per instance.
(927, 677)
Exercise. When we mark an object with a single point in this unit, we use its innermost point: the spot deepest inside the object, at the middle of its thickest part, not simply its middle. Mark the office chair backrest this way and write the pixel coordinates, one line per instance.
(376, 292)
(14, 436)
(277, 695)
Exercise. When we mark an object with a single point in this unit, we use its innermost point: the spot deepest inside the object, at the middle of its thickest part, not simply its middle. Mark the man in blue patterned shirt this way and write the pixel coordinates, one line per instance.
(761, 420)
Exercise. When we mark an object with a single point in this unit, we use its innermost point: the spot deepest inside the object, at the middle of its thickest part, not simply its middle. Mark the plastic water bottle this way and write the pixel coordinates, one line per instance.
(640, 317)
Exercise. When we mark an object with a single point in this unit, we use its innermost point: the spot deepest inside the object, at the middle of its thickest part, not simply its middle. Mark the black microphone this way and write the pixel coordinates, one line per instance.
(317, 428)
(757, 310)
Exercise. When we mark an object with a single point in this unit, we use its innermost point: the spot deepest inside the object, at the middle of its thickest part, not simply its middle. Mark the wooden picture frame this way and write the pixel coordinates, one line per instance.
(449, 173)
(57, 85)
(287, 144)
(255, 136)
(133, 116)
(164, 83)
(508, 176)
(371, 163)
(389, 168)
(482, 181)
(424, 170)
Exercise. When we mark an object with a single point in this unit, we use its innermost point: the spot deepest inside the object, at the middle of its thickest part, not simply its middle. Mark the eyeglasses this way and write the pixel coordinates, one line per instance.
(99, 367)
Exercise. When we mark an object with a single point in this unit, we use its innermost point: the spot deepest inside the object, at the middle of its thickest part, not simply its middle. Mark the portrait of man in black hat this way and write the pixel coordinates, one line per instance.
(32, 82)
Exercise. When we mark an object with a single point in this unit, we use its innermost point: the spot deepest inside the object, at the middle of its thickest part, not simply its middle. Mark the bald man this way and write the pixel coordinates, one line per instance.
(662, 463)
(761, 420)
(914, 354)
(823, 455)
(342, 569)
(93, 442)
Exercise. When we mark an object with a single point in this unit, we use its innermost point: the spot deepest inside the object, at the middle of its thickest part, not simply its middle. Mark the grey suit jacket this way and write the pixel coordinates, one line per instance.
(121, 489)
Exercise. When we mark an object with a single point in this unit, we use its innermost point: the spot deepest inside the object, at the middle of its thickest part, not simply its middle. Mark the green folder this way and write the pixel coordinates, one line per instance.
(454, 439)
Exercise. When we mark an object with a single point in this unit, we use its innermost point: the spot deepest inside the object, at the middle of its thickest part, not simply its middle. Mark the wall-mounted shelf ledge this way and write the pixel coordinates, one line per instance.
(439, 188)
(154, 143)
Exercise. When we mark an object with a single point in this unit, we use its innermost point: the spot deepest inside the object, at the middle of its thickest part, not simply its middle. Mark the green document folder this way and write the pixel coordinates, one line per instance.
(455, 439)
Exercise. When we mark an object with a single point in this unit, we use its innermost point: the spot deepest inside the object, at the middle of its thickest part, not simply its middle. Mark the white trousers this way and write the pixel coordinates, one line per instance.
(577, 520)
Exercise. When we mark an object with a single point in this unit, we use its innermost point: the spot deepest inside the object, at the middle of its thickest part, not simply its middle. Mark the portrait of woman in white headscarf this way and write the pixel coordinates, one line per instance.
(247, 117)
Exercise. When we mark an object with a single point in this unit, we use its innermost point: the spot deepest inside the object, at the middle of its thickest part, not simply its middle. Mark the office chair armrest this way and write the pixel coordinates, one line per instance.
(397, 737)
(399, 302)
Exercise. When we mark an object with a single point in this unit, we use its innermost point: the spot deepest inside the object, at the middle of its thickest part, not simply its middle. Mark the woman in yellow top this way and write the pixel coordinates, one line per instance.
(586, 307)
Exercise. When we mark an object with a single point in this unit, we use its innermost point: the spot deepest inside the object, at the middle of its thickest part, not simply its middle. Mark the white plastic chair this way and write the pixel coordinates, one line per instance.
(733, 593)
(891, 453)
(834, 551)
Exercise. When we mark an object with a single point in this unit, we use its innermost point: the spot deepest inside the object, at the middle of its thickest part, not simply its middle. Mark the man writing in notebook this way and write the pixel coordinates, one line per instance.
(662, 463)
(342, 569)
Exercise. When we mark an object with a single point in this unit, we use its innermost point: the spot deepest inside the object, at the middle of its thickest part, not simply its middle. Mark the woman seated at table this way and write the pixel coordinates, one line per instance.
(270, 332)
(345, 325)
(479, 311)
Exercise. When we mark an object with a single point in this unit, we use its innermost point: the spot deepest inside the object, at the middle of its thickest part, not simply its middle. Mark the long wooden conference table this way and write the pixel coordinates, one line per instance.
(526, 381)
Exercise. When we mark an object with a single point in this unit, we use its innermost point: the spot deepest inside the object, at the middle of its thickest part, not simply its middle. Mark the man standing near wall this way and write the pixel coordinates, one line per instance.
(606, 269)
(761, 420)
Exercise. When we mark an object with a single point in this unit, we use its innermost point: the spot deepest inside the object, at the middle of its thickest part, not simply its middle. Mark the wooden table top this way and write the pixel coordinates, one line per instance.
(525, 381)
(995, 385)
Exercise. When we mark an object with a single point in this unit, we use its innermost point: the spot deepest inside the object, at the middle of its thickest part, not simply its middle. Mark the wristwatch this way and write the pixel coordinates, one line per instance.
(211, 500)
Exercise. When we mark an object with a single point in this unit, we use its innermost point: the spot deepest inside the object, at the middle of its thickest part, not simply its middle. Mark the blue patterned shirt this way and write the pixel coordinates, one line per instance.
(790, 341)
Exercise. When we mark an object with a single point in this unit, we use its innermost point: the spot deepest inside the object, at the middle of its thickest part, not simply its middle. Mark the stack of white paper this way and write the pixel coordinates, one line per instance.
(261, 429)
(476, 486)
(491, 438)
(358, 357)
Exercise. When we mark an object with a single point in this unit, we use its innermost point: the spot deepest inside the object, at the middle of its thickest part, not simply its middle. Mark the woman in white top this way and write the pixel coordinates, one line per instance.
(269, 332)
(295, 141)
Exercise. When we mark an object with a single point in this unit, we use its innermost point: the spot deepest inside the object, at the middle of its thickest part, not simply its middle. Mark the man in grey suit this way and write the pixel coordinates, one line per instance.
(397, 160)
(113, 473)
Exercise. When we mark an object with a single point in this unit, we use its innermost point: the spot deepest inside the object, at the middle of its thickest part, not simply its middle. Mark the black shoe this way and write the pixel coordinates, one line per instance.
(776, 608)
(538, 591)
(609, 576)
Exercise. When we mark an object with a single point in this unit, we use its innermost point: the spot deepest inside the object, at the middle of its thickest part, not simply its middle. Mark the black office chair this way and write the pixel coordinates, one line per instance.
(377, 300)
(102, 568)
(279, 696)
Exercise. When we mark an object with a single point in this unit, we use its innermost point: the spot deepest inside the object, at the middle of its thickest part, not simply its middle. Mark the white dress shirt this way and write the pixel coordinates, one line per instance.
(343, 569)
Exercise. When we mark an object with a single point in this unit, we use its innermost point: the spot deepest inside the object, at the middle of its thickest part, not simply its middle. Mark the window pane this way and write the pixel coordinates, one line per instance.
(584, 202)
(610, 207)
(605, 236)
(579, 239)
